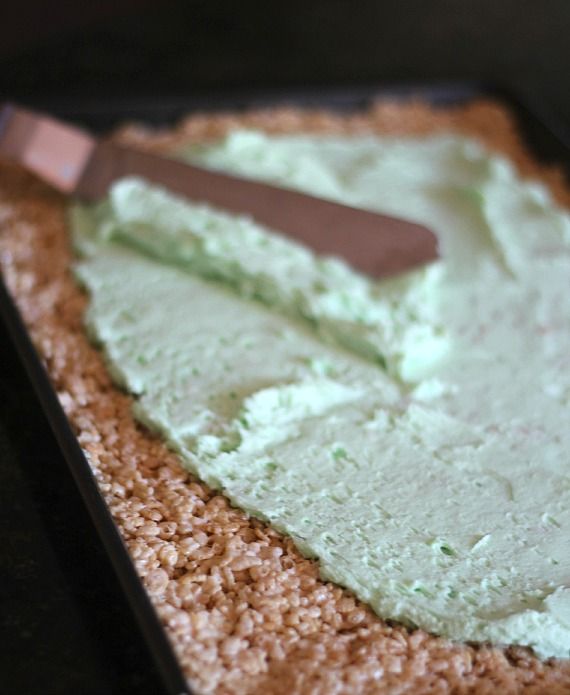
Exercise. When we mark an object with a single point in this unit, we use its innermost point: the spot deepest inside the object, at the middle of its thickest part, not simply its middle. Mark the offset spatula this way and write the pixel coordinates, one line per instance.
(74, 162)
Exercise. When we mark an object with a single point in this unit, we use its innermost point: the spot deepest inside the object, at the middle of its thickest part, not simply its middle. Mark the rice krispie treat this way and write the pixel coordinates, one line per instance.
(245, 612)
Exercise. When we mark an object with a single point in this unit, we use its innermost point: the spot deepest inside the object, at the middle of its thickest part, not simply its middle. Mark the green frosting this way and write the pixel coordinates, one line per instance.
(412, 435)
(391, 323)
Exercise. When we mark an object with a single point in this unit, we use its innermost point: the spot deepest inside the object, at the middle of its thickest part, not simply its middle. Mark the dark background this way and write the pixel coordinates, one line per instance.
(62, 628)
(122, 47)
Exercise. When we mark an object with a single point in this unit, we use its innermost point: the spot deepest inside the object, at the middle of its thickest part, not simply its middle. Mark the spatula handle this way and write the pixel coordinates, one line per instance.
(56, 152)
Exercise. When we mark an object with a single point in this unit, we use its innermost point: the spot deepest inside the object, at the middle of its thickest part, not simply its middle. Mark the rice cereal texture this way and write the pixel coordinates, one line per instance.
(244, 611)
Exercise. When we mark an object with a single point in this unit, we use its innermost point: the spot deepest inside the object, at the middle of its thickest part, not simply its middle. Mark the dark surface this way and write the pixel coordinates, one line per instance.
(184, 46)
(80, 537)
(63, 628)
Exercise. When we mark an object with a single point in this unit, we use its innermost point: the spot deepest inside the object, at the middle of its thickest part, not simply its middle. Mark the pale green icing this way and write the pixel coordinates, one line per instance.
(391, 323)
(438, 490)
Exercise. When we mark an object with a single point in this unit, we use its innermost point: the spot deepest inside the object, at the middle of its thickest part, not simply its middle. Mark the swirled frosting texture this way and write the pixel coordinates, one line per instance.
(412, 435)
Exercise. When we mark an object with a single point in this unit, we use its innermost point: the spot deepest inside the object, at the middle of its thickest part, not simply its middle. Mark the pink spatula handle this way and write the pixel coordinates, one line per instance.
(56, 152)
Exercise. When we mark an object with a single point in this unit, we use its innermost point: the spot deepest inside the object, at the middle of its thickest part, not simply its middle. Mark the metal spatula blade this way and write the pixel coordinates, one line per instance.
(75, 163)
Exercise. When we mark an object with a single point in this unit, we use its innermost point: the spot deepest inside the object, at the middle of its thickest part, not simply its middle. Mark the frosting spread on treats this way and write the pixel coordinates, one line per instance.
(412, 435)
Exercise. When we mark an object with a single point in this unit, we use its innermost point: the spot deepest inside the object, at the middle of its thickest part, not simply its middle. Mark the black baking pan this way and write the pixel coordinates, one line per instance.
(135, 628)
(128, 589)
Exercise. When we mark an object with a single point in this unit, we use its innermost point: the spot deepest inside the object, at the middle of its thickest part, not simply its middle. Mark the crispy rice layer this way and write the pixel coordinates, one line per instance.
(245, 612)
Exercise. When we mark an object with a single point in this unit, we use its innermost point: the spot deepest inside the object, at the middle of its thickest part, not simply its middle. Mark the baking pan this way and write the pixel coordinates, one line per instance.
(549, 141)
